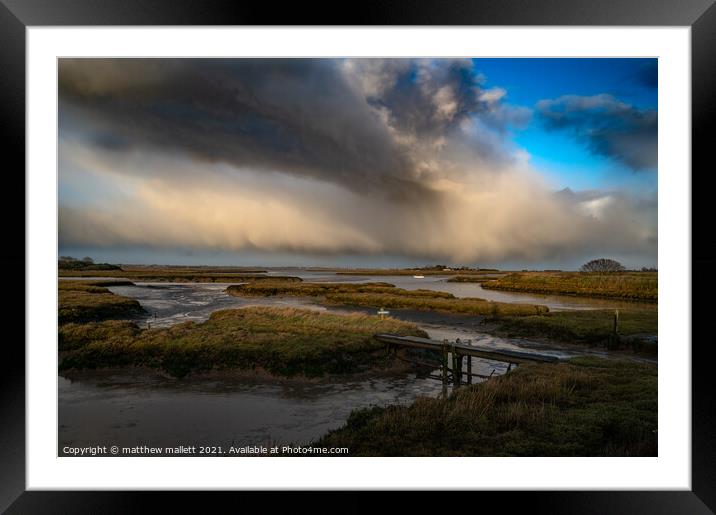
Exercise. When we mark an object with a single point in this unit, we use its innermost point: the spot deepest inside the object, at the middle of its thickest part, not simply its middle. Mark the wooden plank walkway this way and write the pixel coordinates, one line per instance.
(504, 355)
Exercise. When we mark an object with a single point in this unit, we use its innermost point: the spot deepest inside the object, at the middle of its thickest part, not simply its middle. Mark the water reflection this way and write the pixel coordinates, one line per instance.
(125, 410)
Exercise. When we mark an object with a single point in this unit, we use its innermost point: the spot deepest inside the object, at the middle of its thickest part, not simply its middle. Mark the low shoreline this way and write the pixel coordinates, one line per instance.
(257, 375)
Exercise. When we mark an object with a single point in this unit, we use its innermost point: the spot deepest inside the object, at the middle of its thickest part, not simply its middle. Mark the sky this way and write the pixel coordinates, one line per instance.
(511, 163)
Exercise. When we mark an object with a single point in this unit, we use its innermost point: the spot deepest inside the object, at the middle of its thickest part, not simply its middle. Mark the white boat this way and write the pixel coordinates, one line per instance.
(419, 276)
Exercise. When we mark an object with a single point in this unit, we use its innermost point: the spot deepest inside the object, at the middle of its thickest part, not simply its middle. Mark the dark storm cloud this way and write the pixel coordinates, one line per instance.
(432, 98)
(298, 116)
(268, 114)
(404, 157)
(607, 126)
(647, 75)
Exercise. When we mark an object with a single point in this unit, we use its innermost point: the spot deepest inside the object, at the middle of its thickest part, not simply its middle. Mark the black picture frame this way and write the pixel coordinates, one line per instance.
(700, 15)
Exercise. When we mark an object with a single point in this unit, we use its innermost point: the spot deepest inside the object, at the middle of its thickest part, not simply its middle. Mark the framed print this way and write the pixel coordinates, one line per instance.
(340, 255)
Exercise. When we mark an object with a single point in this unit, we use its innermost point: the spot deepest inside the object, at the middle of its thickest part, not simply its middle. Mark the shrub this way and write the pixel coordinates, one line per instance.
(602, 265)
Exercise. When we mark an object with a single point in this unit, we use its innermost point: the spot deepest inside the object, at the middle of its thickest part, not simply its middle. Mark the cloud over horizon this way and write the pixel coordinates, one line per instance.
(607, 126)
(406, 157)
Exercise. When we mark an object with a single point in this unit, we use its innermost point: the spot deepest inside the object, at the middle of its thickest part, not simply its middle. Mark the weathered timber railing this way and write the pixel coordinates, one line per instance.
(460, 351)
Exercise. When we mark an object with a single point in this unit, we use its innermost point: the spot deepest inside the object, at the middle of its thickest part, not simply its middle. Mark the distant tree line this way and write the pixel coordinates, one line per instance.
(457, 268)
(86, 263)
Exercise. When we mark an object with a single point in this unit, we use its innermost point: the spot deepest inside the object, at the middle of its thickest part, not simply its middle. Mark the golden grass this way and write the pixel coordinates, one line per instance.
(177, 275)
(415, 271)
(623, 285)
(284, 341)
(377, 295)
(584, 407)
(467, 306)
(83, 301)
(470, 279)
(588, 327)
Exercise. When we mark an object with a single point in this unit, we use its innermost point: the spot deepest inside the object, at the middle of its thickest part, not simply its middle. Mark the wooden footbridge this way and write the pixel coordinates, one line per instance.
(458, 351)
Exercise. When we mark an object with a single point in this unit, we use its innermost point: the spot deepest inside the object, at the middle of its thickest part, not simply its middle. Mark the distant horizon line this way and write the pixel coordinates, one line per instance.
(448, 268)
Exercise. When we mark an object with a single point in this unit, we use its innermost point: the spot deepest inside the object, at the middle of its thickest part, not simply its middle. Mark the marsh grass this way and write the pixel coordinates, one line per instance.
(468, 306)
(588, 327)
(623, 285)
(416, 271)
(283, 341)
(378, 295)
(303, 289)
(470, 279)
(86, 301)
(178, 275)
(193, 269)
(583, 407)
(96, 286)
(73, 335)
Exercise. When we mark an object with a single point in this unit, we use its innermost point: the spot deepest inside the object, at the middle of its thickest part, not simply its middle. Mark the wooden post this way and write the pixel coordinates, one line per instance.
(445, 363)
(459, 369)
(616, 322)
(454, 366)
(469, 369)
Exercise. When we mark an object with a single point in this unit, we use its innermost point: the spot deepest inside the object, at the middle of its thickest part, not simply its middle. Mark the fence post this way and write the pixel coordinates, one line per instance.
(459, 369)
(456, 368)
(616, 322)
(445, 362)
(613, 341)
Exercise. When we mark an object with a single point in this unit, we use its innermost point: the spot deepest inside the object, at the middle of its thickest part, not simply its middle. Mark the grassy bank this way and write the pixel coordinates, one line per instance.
(377, 295)
(85, 301)
(282, 341)
(178, 275)
(417, 271)
(641, 286)
(466, 306)
(470, 279)
(584, 407)
(73, 336)
(189, 268)
(89, 284)
(587, 327)
(304, 289)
